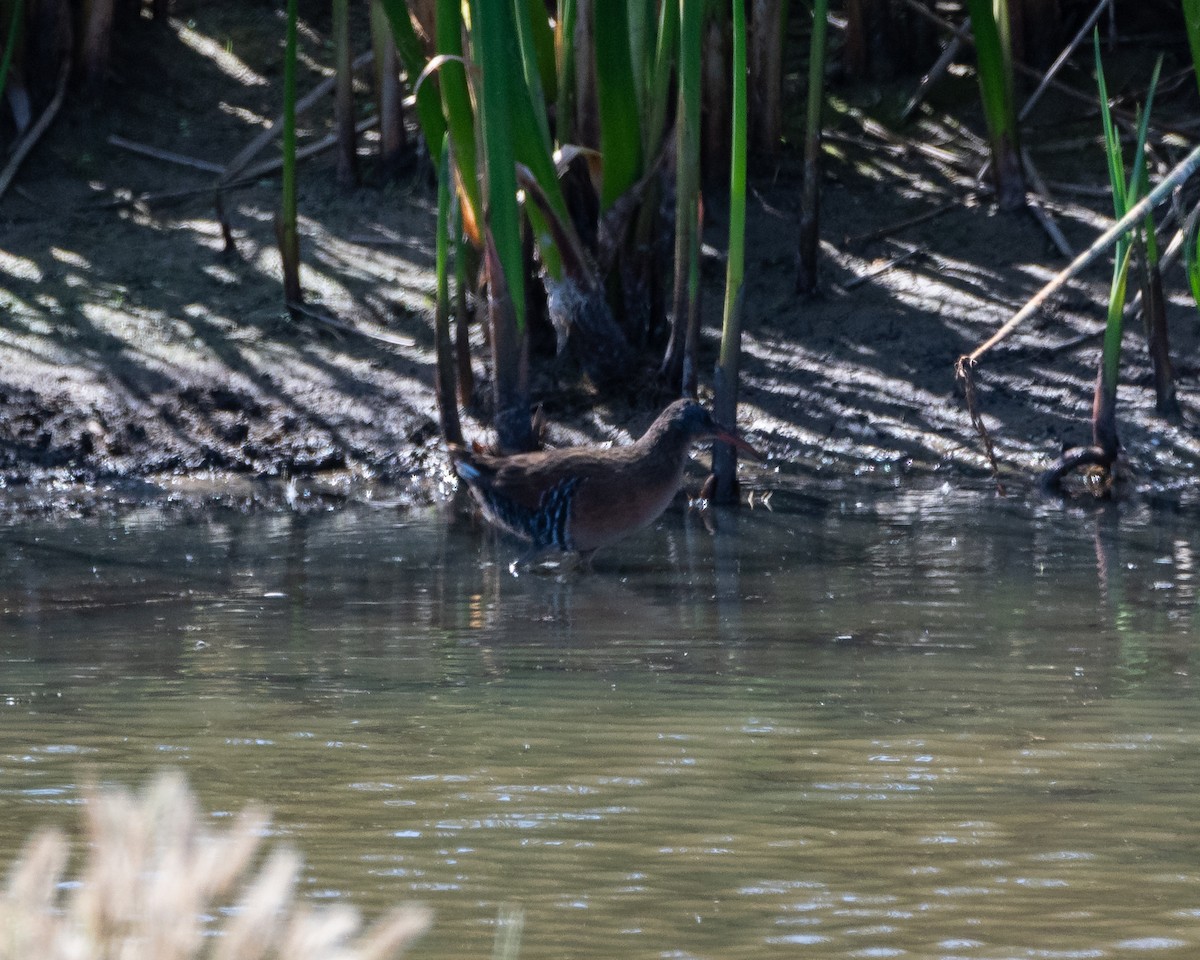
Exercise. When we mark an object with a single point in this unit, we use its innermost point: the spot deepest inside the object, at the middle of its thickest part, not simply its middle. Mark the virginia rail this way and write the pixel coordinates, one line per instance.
(580, 499)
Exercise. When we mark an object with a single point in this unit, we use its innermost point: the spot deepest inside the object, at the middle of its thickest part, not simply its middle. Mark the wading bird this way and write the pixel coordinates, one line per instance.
(579, 499)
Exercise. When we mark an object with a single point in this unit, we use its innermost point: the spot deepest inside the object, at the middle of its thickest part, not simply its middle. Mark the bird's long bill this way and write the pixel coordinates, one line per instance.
(731, 438)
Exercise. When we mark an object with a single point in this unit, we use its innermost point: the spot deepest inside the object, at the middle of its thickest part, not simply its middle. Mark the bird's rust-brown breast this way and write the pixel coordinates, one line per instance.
(610, 505)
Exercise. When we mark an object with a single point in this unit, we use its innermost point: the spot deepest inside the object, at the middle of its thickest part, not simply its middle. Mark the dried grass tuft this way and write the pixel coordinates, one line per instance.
(154, 875)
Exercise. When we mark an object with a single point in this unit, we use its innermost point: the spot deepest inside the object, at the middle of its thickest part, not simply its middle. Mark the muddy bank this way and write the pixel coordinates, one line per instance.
(139, 355)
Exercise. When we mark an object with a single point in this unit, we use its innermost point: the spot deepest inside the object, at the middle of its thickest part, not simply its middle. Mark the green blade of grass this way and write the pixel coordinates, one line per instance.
(620, 127)
(10, 45)
(1148, 225)
(659, 96)
(1125, 196)
(1191, 22)
(446, 396)
(1112, 139)
(1114, 325)
(642, 21)
(726, 378)
(1139, 177)
(456, 102)
(492, 29)
(527, 42)
(735, 265)
(1192, 259)
(531, 145)
(1110, 358)
(994, 65)
(541, 37)
(564, 44)
(989, 24)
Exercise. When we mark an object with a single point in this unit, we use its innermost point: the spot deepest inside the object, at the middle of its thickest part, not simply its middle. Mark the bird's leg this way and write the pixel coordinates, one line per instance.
(702, 505)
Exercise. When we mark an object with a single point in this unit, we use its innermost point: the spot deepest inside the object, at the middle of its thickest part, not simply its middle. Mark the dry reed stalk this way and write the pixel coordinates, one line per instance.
(767, 30)
(343, 101)
(97, 41)
(152, 871)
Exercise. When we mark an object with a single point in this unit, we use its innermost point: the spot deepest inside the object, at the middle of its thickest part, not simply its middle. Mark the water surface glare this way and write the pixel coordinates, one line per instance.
(920, 724)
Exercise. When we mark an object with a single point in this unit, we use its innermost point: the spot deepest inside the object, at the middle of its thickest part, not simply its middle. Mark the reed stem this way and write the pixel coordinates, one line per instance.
(447, 402)
(679, 363)
(286, 225)
(810, 204)
(726, 375)
(343, 103)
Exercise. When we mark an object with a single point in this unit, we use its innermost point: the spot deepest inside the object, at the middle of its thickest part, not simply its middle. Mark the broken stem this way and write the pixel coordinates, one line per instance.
(1182, 171)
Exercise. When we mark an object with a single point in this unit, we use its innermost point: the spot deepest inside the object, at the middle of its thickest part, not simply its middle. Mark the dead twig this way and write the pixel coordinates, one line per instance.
(247, 179)
(369, 240)
(1124, 117)
(1071, 145)
(36, 131)
(1033, 203)
(1061, 59)
(341, 325)
(886, 144)
(1080, 189)
(947, 126)
(773, 211)
(902, 144)
(1041, 352)
(165, 197)
(310, 150)
(938, 70)
(1169, 256)
(1165, 262)
(956, 167)
(260, 142)
(884, 267)
(864, 238)
(167, 156)
(989, 449)
(238, 164)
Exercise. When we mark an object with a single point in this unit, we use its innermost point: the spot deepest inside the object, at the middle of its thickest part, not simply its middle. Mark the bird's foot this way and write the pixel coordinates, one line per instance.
(549, 561)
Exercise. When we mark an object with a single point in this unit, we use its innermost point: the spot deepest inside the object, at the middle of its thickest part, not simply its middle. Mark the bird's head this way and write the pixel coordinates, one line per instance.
(697, 424)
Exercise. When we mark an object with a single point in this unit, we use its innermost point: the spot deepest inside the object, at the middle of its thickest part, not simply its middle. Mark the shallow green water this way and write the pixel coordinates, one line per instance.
(920, 724)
